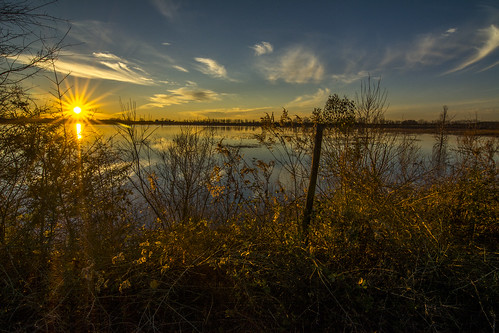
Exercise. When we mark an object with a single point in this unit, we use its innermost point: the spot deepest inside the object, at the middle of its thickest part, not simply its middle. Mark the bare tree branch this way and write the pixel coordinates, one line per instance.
(29, 37)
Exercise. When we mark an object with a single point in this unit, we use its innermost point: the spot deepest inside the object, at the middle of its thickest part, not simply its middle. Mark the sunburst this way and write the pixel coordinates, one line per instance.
(81, 100)
(79, 104)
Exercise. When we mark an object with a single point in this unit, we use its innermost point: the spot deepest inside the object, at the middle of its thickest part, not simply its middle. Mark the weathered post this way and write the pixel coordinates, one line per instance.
(307, 215)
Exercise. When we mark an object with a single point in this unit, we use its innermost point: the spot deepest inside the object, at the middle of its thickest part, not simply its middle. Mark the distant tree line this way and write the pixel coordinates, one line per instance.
(288, 122)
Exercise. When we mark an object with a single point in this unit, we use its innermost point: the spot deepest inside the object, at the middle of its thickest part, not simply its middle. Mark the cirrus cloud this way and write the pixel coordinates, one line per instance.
(99, 65)
(350, 77)
(167, 8)
(263, 48)
(181, 96)
(453, 45)
(317, 99)
(294, 66)
(211, 67)
(429, 49)
(491, 43)
(231, 113)
(181, 69)
(106, 55)
(449, 32)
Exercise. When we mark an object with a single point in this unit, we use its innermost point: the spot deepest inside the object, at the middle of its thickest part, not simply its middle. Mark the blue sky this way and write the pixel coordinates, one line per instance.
(241, 59)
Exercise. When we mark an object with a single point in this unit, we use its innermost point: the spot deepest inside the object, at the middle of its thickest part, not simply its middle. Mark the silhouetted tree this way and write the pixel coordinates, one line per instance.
(337, 111)
(28, 38)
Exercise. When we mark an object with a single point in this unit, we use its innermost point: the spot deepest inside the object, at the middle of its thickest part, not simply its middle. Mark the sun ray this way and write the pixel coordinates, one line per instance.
(80, 103)
(82, 94)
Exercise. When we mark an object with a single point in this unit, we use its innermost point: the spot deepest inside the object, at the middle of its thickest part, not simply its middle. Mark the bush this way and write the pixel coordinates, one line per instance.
(92, 241)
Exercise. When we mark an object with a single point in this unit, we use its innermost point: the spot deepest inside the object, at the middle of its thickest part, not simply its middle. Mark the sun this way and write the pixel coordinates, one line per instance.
(80, 99)
(79, 104)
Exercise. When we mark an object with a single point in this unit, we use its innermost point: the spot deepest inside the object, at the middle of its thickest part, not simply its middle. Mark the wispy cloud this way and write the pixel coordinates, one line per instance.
(318, 99)
(167, 8)
(263, 48)
(181, 96)
(350, 77)
(294, 66)
(452, 45)
(232, 113)
(491, 43)
(489, 67)
(425, 50)
(211, 67)
(92, 32)
(181, 69)
(102, 66)
(449, 32)
(102, 37)
(106, 55)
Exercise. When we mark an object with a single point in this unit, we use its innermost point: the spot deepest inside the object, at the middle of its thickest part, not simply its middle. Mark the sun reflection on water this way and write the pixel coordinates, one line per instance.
(79, 128)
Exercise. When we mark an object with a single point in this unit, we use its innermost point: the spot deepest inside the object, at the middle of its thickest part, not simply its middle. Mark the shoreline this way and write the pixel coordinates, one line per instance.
(485, 128)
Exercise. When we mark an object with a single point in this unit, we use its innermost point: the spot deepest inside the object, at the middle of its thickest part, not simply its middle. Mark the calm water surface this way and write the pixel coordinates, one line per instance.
(251, 149)
(243, 137)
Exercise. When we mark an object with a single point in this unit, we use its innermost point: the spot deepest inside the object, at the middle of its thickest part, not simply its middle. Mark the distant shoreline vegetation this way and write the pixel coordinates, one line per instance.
(481, 127)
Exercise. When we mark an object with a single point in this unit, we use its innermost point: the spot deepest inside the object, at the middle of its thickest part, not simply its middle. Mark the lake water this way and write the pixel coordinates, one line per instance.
(251, 149)
(285, 170)
(284, 173)
(244, 137)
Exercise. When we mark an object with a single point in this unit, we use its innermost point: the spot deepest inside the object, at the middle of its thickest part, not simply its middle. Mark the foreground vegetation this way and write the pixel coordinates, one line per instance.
(138, 234)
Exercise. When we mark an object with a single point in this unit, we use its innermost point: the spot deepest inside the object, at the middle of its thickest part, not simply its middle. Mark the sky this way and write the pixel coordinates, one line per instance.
(197, 59)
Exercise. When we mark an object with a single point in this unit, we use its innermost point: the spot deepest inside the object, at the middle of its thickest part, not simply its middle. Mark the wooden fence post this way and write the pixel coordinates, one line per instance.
(307, 214)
